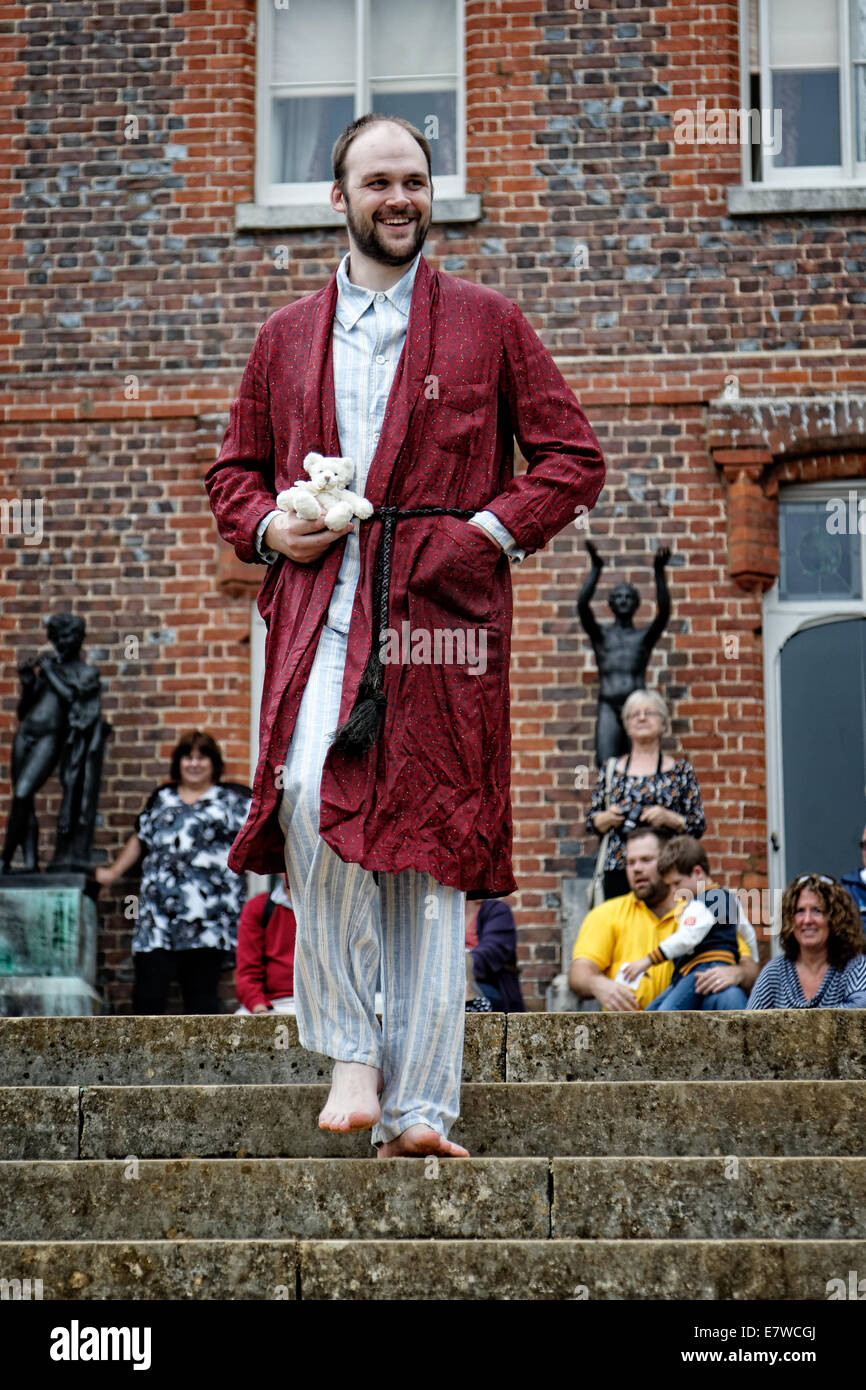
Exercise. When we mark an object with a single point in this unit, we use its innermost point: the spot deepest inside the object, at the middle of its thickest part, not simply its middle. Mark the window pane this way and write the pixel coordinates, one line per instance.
(809, 103)
(858, 27)
(435, 115)
(416, 37)
(860, 105)
(804, 34)
(813, 562)
(858, 49)
(314, 42)
(303, 131)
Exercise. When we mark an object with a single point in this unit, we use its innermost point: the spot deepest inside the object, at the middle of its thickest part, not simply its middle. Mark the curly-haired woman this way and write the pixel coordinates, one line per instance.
(822, 965)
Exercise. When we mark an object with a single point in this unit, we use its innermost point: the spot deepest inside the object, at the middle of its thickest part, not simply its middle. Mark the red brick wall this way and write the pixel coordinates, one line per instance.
(125, 263)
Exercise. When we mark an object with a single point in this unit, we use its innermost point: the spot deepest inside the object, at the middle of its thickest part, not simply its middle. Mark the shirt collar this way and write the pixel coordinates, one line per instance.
(280, 894)
(353, 301)
(640, 905)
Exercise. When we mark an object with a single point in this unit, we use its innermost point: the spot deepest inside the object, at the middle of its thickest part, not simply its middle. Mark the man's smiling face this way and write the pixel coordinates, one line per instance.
(387, 196)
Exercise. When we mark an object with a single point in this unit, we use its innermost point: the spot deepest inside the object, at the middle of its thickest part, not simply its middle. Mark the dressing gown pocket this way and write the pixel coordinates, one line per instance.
(454, 569)
(455, 416)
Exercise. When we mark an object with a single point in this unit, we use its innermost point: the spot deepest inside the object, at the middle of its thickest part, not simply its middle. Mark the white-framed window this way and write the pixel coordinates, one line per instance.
(803, 63)
(814, 638)
(321, 65)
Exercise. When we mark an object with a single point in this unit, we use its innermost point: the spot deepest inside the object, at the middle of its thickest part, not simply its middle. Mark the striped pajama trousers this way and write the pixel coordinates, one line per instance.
(347, 926)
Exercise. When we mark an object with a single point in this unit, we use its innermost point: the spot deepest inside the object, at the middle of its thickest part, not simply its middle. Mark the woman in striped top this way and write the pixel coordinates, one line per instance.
(822, 965)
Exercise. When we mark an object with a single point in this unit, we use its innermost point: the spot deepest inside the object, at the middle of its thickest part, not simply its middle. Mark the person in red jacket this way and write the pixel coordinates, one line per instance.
(265, 960)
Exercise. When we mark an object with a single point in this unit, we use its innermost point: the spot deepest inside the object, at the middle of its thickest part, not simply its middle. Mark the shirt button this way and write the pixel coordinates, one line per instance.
(379, 298)
(381, 360)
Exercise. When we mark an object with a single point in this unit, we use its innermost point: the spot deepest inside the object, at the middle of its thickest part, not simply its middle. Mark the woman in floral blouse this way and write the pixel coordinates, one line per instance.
(190, 899)
(647, 787)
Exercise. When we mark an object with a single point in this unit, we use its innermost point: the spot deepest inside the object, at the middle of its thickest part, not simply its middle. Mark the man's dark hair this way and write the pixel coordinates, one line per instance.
(683, 853)
(661, 833)
(203, 743)
(342, 143)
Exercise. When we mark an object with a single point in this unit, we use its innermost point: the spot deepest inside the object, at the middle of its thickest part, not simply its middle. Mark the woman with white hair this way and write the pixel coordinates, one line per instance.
(646, 786)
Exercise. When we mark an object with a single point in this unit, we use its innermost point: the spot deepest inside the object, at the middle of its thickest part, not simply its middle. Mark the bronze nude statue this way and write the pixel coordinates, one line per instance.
(60, 727)
(622, 651)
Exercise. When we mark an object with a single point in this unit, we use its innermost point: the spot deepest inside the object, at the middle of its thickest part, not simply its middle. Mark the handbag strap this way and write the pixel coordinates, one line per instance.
(610, 767)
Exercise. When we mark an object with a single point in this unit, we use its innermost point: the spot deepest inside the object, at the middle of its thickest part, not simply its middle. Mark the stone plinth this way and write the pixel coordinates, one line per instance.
(48, 928)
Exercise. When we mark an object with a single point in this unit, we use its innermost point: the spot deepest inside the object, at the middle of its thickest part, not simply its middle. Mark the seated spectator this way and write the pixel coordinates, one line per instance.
(491, 937)
(856, 882)
(264, 978)
(822, 965)
(706, 938)
(622, 929)
(476, 1002)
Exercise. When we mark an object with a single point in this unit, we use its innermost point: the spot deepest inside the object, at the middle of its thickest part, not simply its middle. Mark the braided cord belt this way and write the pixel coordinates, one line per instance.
(390, 516)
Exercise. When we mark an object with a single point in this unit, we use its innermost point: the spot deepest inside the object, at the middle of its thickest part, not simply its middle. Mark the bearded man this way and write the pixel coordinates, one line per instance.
(385, 784)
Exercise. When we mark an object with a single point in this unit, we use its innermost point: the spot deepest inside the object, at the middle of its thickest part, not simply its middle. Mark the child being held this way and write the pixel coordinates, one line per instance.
(713, 931)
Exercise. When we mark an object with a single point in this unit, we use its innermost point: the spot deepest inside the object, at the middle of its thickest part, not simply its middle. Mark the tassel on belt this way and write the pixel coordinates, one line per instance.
(360, 730)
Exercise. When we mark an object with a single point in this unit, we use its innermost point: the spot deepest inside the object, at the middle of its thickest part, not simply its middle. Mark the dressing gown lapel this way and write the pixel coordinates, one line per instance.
(412, 371)
(320, 406)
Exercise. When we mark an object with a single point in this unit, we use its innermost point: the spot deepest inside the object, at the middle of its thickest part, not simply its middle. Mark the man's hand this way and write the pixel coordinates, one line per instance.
(617, 999)
(718, 977)
(594, 555)
(261, 1009)
(635, 968)
(303, 541)
(484, 532)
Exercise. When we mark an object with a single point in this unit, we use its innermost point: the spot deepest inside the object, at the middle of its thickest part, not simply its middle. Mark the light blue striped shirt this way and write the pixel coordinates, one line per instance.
(368, 336)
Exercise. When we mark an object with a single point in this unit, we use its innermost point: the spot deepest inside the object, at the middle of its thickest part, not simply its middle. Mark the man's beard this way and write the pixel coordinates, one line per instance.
(368, 239)
(652, 893)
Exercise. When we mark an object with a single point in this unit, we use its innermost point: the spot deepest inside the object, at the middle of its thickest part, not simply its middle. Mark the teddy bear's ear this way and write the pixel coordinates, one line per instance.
(312, 461)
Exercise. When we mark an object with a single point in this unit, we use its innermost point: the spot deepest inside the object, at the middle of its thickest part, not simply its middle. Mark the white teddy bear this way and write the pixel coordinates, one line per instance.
(326, 492)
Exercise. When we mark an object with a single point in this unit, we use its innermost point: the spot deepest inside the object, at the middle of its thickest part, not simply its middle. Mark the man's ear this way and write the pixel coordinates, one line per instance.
(337, 202)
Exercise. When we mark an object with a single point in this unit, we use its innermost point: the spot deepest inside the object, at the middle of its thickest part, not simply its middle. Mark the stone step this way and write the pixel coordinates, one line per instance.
(721, 1198)
(123, 1050)
(534, 1120)
(269, 1199)
(506, 1198)
(179, 1050)
(671, 1271)
(772, 1044)
(537, 1119)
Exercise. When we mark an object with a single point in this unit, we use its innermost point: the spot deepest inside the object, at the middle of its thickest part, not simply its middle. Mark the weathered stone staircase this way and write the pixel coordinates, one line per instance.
(666, 1156)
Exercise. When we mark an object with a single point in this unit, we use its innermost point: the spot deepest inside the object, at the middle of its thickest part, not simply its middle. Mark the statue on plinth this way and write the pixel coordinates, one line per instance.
(60, 728)
(622, 651)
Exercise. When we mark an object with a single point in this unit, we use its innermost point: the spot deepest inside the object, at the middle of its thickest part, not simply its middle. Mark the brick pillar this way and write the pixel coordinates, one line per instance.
(753, 519)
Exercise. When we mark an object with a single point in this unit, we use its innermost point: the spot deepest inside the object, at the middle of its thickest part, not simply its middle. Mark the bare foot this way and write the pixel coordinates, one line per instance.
(417, 1141)
(352, 1103)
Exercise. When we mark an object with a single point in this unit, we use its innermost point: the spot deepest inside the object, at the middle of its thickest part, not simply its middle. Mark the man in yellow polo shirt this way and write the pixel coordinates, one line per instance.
(636, 922)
